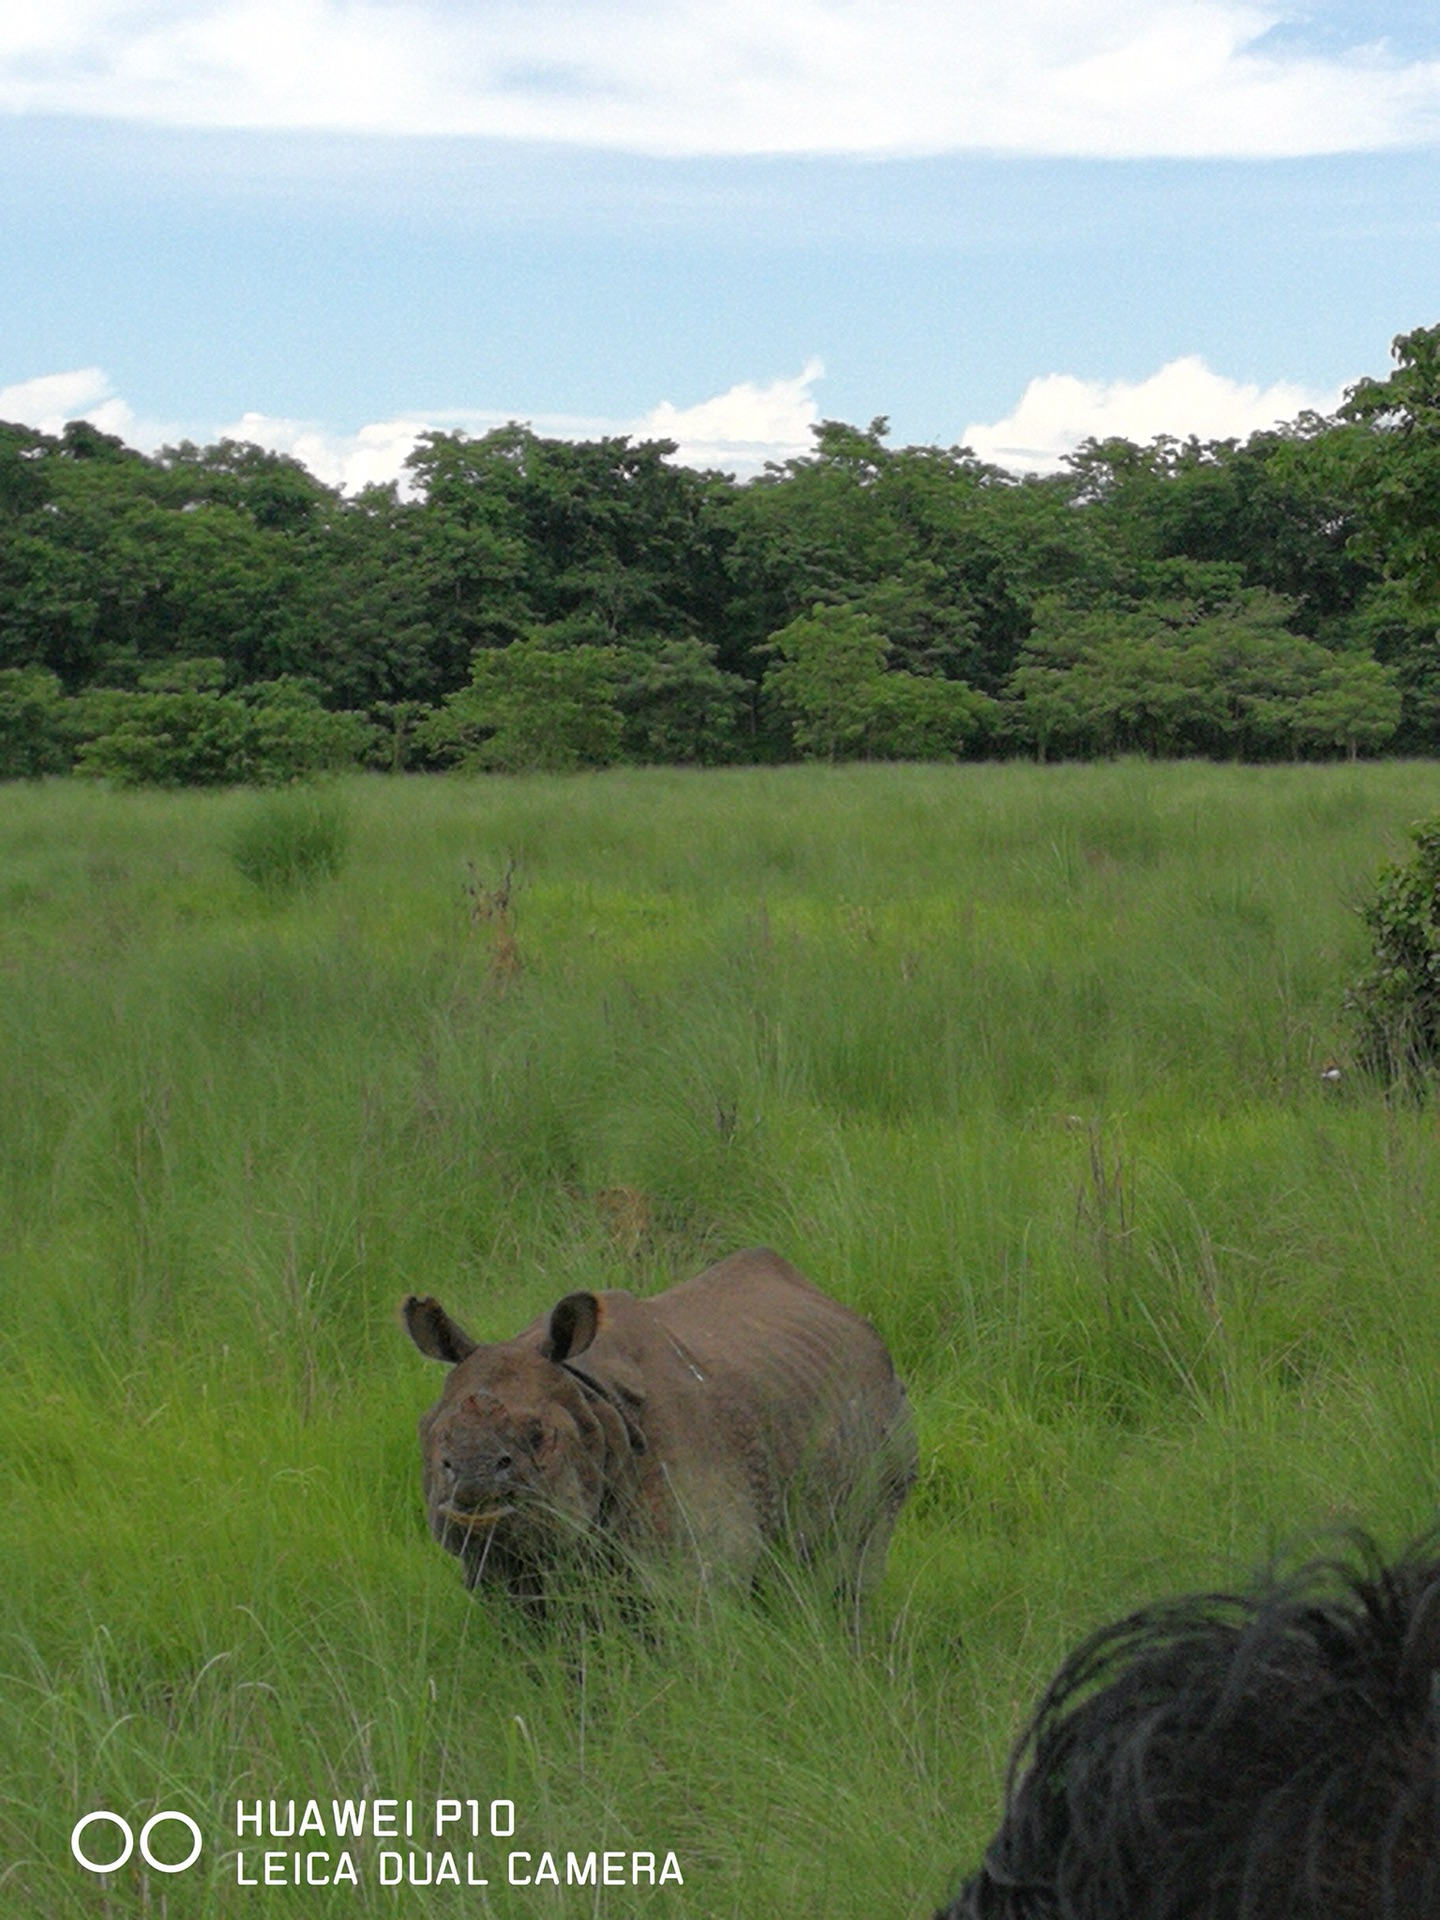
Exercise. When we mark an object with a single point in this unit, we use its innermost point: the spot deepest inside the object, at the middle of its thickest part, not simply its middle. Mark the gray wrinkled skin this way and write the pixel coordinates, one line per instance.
(738, 1411)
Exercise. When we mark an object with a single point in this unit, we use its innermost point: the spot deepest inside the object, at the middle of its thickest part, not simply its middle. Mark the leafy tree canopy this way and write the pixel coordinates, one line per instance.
(1277, 595)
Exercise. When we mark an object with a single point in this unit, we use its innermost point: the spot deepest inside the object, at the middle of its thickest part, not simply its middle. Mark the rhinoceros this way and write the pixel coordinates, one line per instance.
(739, 1410)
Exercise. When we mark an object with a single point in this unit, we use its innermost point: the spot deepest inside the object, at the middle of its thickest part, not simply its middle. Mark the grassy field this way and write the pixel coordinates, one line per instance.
(1022, 1063)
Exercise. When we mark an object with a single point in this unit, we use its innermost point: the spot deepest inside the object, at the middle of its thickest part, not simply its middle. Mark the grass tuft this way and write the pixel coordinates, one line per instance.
(288, 841)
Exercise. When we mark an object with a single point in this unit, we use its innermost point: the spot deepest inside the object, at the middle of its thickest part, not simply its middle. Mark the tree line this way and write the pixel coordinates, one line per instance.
(218, 614)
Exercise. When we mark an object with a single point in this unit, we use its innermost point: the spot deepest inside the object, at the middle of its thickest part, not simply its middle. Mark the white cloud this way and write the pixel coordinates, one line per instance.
(1120, 77)
(52, 399)
(738, 431)
(376, 453)
(1057, 411)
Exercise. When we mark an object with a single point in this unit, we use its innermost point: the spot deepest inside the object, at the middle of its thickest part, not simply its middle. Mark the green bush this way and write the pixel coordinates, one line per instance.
(32, 739)
(531, 707)
(291, 735)
(171, 740)
(831, 663)
(1396, 1002)
(842, 701)
(263, 736)
(1181, 677)
(679, 708)
(915, 717)
(289, 841)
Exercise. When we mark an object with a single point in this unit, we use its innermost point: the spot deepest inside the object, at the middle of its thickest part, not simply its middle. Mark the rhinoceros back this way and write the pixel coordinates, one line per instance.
(802, 1395)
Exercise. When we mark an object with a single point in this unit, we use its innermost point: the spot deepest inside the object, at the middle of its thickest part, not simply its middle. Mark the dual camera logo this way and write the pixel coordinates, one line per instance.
(126, 1841)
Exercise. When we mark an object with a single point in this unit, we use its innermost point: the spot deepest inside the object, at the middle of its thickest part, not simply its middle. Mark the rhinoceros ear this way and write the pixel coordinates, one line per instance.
(434, 1332)
(573, 1324)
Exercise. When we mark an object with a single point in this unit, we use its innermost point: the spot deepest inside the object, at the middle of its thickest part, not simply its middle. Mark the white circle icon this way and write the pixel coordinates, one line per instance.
(97, 1866)
(180, 1865)
(155, 1820)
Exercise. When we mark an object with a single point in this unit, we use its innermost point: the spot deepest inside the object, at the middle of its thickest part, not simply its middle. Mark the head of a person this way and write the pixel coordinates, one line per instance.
(1265, 1755)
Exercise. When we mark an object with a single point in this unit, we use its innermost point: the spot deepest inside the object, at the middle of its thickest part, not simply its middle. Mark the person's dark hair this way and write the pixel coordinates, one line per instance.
(1262, 1756)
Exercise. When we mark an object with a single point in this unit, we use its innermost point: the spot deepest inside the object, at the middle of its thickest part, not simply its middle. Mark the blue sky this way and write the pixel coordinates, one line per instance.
(325, 224)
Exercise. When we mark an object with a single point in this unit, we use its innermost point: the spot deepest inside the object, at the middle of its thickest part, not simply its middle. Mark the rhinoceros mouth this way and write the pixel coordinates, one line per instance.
(480, 1521)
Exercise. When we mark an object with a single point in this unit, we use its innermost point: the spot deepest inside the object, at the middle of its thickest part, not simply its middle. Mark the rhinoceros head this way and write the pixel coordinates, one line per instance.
(524, 1453)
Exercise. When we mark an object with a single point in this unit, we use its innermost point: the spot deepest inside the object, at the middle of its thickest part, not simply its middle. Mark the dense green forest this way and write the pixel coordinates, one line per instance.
(217, 614)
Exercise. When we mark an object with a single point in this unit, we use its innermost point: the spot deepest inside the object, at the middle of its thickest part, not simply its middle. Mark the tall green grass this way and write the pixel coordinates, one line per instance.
(1023, 1063)
(289, 841)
